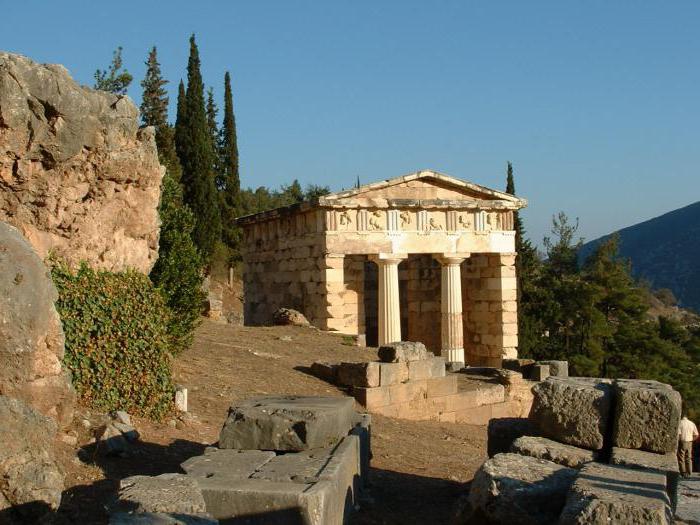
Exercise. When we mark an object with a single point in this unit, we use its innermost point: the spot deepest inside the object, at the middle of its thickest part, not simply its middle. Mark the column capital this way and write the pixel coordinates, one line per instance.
(452, 258)
(387, 258)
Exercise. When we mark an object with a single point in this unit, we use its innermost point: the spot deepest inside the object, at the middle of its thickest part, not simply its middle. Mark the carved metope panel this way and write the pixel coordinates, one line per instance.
(405, 220)
(376, 220)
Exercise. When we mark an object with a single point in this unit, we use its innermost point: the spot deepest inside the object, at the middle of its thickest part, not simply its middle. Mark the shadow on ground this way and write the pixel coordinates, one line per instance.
(86, 504)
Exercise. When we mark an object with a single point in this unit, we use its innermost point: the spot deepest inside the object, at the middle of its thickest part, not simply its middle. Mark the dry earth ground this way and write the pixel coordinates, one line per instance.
(418, 468)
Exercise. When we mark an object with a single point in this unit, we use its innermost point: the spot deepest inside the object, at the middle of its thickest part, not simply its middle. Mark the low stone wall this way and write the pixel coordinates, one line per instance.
(411, 383)
(292, 460)
(609, 444)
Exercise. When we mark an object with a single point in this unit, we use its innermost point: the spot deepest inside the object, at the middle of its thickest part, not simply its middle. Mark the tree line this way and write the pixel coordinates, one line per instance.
(594, 314)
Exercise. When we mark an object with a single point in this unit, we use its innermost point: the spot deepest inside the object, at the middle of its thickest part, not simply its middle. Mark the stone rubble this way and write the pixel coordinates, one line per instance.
(543, 448)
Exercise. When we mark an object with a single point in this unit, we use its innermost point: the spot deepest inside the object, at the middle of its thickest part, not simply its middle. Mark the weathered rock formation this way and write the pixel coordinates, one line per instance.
(77, 175)
(30, 480)
(31, 336)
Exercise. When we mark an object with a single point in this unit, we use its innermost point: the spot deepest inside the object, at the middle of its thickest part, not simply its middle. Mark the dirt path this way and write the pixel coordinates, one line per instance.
(418, 468)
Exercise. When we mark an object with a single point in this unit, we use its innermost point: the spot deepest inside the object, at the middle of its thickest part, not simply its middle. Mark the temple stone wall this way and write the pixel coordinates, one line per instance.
(490, 308)
(423, 297)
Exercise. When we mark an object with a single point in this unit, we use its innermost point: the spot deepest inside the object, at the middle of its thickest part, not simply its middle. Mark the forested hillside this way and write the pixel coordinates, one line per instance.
(664, 251)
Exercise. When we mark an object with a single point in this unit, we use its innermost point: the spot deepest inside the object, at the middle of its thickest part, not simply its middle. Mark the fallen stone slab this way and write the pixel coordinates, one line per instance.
(159, 518)
(290, 423)
(515, 489)
(171, 493)
(289, 317)
(605, 494)
(403, 351)
(543, 448)
(358, 374)
(298, 467)
(539, 372)
(229, 463)
(557, 368)
(665, 463)
(574, 410)
(502, 432)
(647, 414)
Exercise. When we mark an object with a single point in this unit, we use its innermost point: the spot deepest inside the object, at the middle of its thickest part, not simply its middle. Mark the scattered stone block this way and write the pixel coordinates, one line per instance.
(510, 488)
(502, 432)
(426, 368)
(604, 494)
(403, 351)
(290, 317)
(543, 448)
(300, 467)
(647, 414)
(326, 371)
(230, 463)
(291, 423)
(393, 373)
(358, 374)
(181, 398)
(171, 493)
(122, 417)
(159, 518)
(539, 372)
(519, 365)
(572, 410)
(557, 368)
(665, 463)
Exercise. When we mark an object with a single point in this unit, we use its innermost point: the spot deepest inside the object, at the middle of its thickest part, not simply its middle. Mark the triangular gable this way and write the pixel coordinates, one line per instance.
(423, 185)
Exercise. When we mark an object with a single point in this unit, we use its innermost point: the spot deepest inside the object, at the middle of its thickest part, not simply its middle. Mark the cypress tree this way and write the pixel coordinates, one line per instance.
(178, 271)
(229, 180)
(194, 148)
(527, 266)
(212, 111)
(154, 112)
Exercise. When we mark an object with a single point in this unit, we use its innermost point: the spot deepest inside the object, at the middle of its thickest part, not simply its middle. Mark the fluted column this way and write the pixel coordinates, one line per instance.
(452, 328)
(389, 314)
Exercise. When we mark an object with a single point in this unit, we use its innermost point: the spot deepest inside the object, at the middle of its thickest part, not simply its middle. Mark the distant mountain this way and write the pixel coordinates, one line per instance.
(664, 251)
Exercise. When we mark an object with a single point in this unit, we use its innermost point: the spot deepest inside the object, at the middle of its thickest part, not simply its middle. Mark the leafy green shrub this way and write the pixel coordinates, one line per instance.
(178, 271)
(117, 341)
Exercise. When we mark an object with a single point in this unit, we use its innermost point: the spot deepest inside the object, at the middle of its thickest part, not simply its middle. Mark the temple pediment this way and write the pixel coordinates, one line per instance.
(423, 189)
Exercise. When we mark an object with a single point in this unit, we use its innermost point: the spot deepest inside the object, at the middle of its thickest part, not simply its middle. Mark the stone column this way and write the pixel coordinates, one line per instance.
(452, 320)
(389, 314)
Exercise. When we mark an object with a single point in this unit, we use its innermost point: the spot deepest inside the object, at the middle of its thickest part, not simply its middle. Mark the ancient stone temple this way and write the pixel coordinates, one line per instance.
(425, 257)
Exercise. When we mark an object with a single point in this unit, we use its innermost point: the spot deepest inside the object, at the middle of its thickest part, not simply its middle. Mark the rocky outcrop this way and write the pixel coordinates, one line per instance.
(31, 336)
(77, 175)
(30, 480)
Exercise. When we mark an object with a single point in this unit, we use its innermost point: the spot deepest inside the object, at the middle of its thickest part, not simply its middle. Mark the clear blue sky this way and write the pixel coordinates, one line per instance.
(596, 103)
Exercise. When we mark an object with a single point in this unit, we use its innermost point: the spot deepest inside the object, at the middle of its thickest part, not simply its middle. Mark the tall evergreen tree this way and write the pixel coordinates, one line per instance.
(194, 148)
(154, 112)
(212, 112)
(229, 182)
(178, 270)
(528, 267)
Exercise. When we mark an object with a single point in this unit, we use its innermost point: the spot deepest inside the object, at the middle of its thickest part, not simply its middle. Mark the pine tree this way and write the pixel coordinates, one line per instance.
(113, 80)
(229, 182)
(194, 148)
(178, 271)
